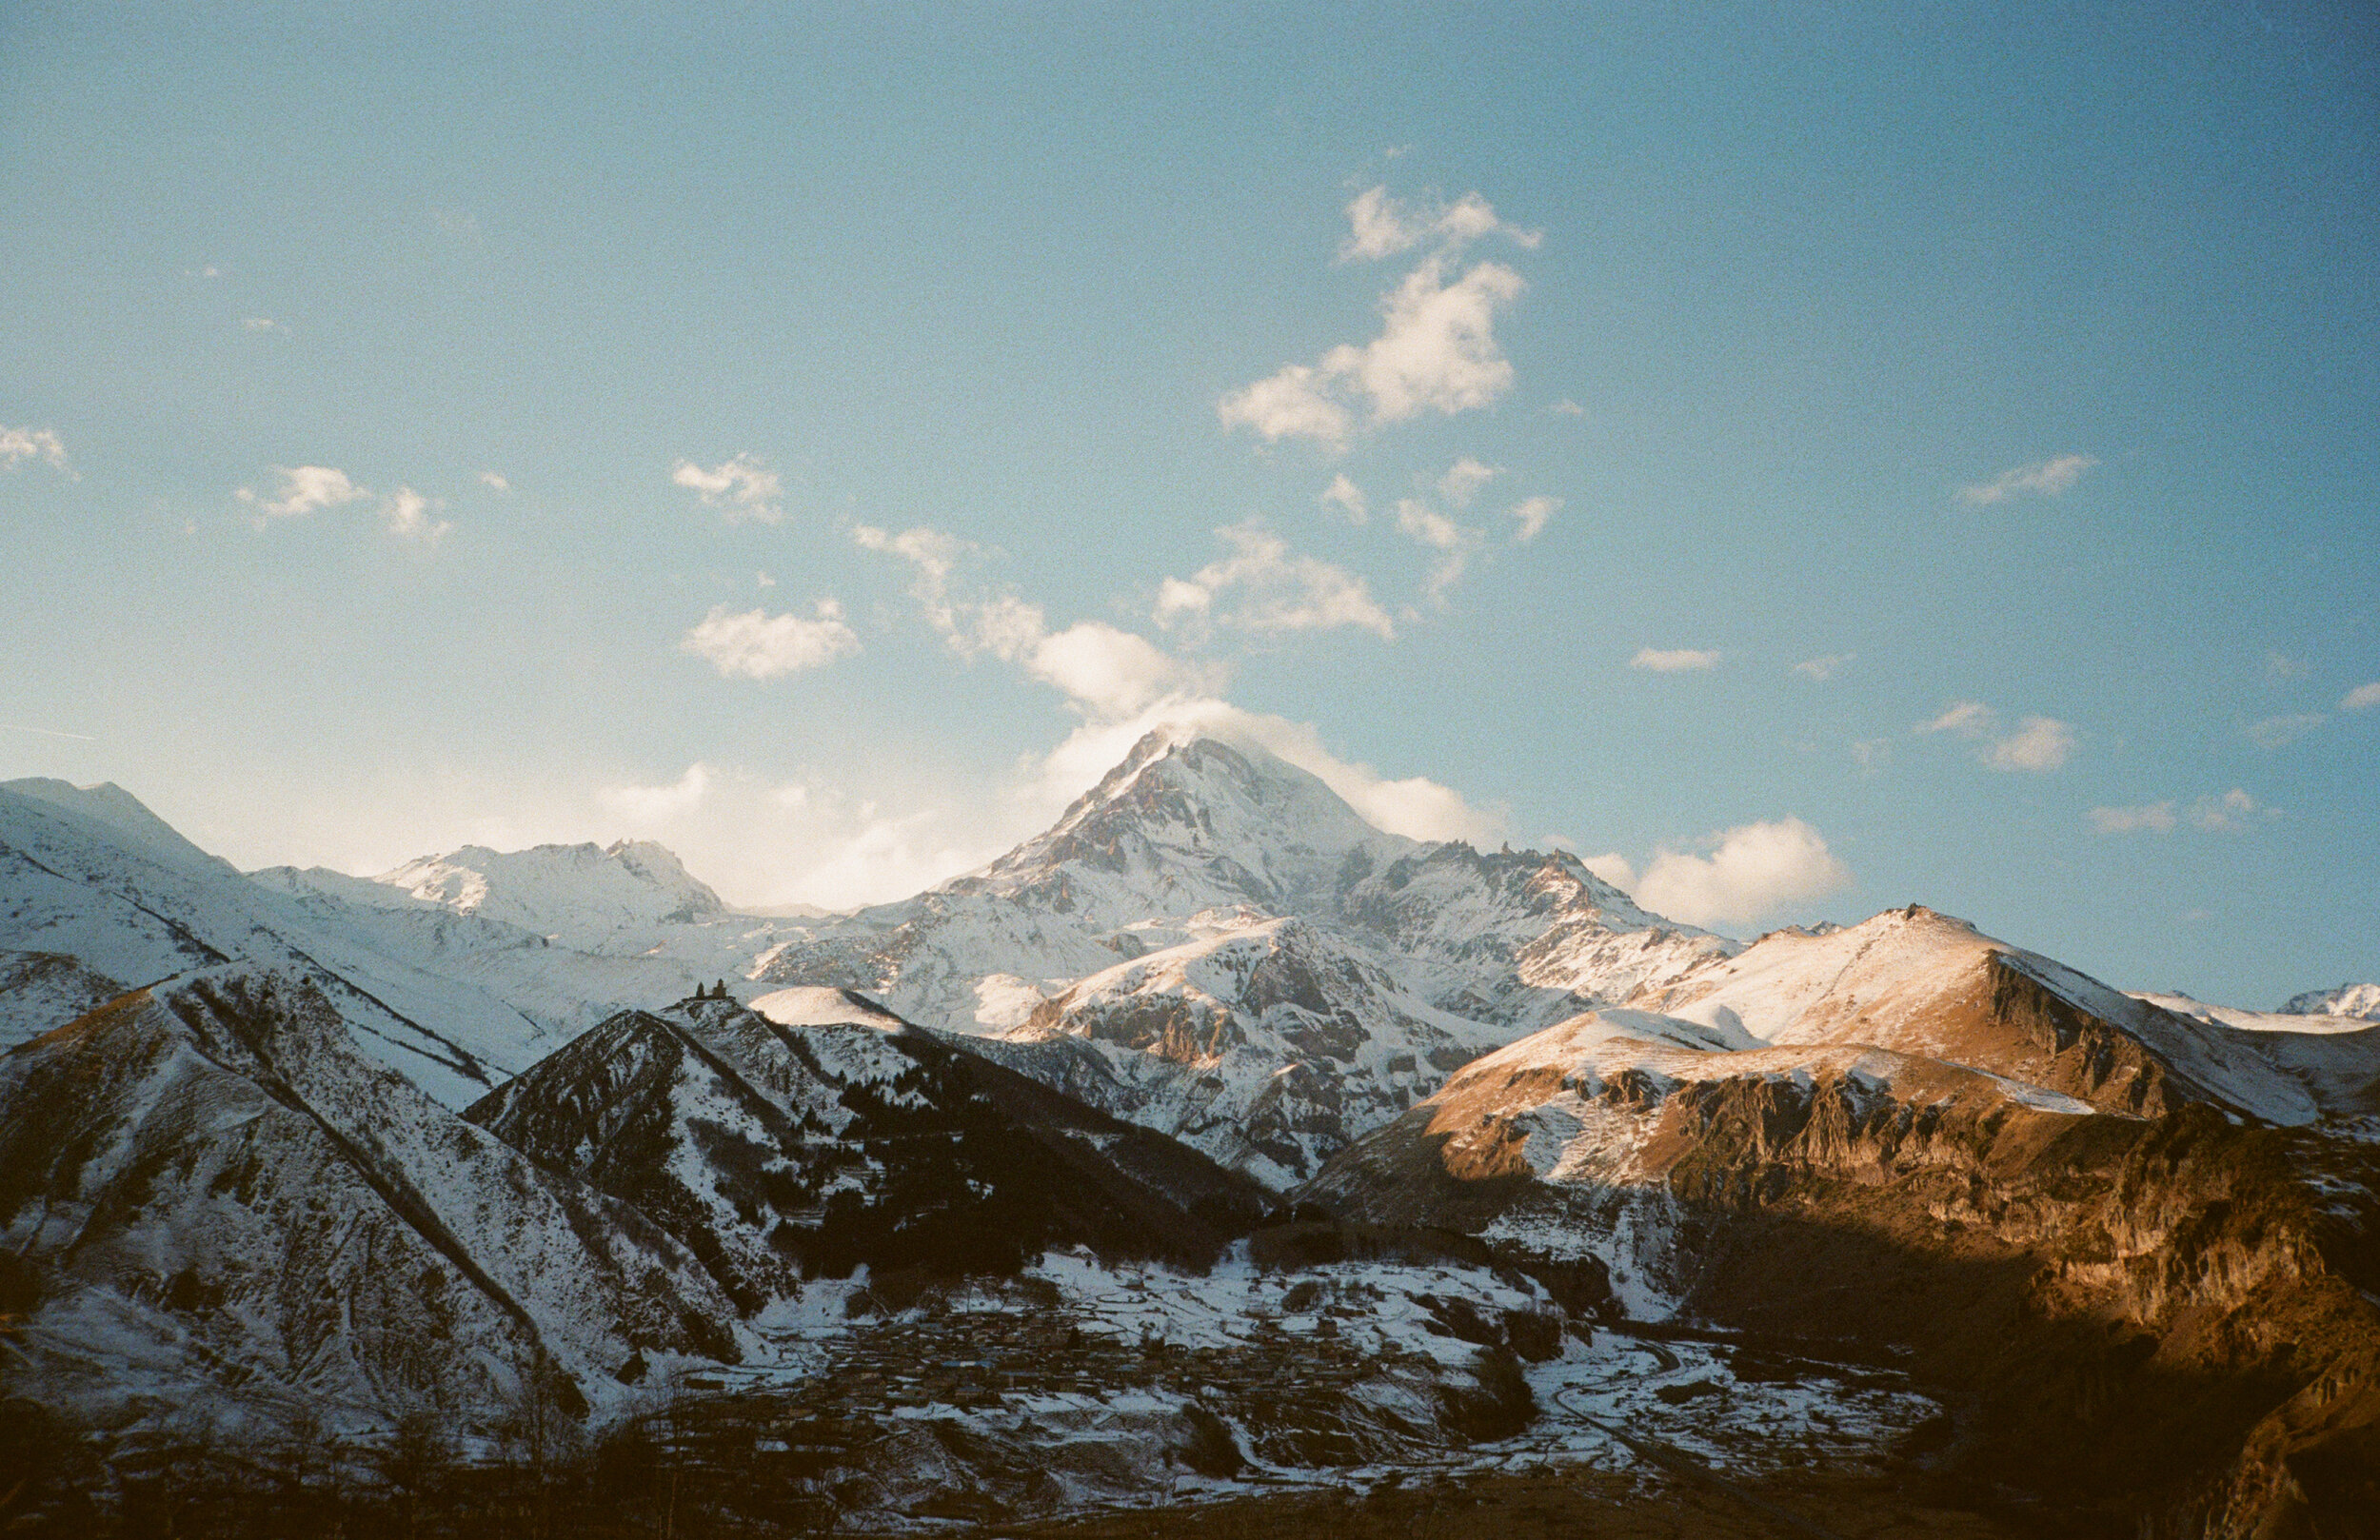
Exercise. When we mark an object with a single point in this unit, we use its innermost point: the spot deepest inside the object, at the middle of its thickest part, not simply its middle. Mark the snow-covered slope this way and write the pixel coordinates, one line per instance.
(1926, 984)
(89, 882)
(586, 897)
(2348, 999)
(1182, 889)
(823, 1134)
(218, 1196)
(2335, 1057)
(1267, 1043)
(566, 935)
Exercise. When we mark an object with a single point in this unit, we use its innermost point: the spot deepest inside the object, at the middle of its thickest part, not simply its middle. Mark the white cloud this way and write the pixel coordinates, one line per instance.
(935, 556)
(1294, 403)
(643, 807)
(303, 489)
(2043, 478)
(260, 322)
(2362, 698)
(1824, 668)
(407, 514)
(2155, 816)
(2275, 731)
(1380, 225)
(1112, 674)
(2039, 744)
(1531, 515)
(1750, 872)
(1463, 479)
(495, 482)
(758, 645)
(1567, 407)
(18, 444)
(1348, 497)
(1968, 718)
(1672, 661)
(1437, 351)
(1454, 542)
(2230, 813)
(1278, 592)
(744, 487)
(1872, 754)
(1106, 673)
(2279, 665)
(1007, 626)
(1614, 868)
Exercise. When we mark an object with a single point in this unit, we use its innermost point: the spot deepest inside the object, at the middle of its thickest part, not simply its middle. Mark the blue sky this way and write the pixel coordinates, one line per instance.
(819, 439)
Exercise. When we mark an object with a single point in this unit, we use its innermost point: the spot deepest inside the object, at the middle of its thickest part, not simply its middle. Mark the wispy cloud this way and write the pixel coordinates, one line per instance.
(2233, 810)
(1673, 659)
(2043, 478)
(2230, 813)
(1567, 407)
(1275, 590)
(1743, 876)
(741, 488)
(1104, 672)
(18, 444)
(304, 489)
(1531, 515)
(2039, 744)
(1823, 668)
(1454, 542)
(1463, 479)
(754, 644)
(1968, 718)
(2362, 698)
(2156, 818)
(1347, 497)
(1381, 226)
(260, 322)
(643, 807)
(494, 480)
(2272, 732)
(410, 516)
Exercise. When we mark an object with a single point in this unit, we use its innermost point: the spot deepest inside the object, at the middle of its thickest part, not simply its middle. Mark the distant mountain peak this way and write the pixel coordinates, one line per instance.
(2348, 999)
(562, 889)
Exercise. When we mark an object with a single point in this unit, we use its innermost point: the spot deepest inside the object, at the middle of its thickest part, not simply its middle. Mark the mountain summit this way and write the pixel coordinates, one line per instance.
(1194, 820)
(1212, 943)
(580, 893)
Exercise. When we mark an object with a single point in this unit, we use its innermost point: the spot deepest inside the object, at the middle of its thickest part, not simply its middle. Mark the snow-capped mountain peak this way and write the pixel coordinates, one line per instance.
(580, 892)
(2348, 999)
(1250, 825)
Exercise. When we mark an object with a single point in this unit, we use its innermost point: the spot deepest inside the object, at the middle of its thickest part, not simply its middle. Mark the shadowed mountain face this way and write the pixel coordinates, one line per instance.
(843, 1136)
(204, 1187)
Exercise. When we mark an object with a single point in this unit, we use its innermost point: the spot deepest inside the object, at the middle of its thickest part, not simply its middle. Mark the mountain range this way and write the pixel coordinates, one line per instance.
(554, 1124)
